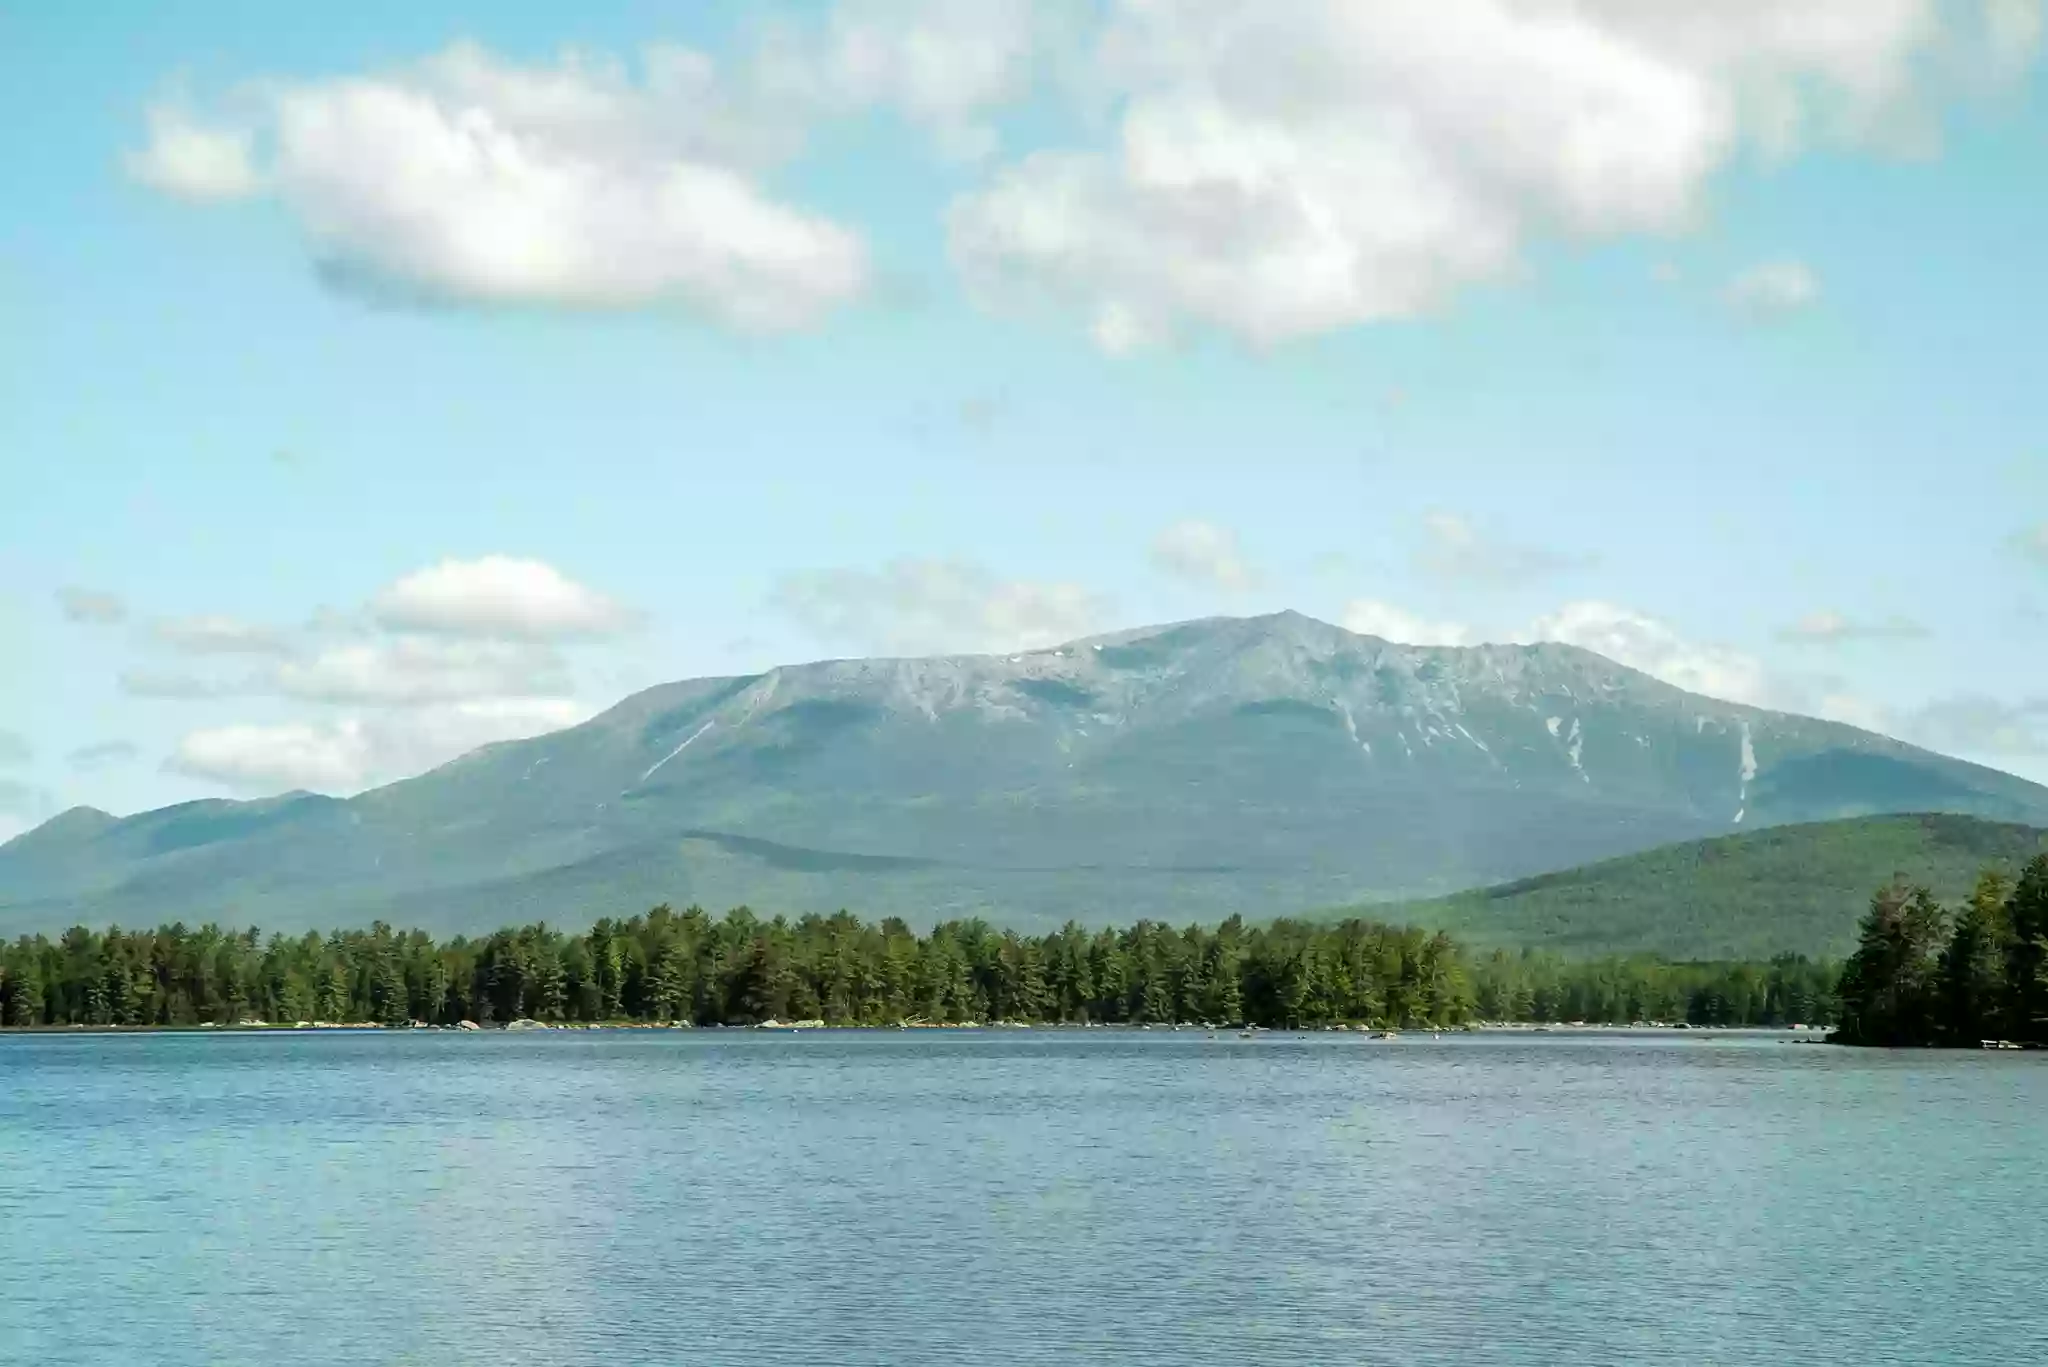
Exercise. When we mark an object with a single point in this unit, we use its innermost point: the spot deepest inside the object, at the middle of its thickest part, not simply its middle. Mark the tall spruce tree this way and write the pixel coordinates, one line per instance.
(1888, 987)
(1972, 977)
(2026, 963)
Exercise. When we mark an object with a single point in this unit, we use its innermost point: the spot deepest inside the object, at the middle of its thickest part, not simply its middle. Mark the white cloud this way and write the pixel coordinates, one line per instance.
(1284, 169)
(943, 64)
(1203, 553)
(1828, 627)
(499, 596)
(2014, 30)
(1773, 289)
(1644, 643)
(1369, 617)
(936, 606)
(88, 606)
(1455, 550)
(467, 178)
(324, 758)
(414, 670)
(1656, 648)
(187, 159)
(213, 634)
(456, 655)
(349, 754)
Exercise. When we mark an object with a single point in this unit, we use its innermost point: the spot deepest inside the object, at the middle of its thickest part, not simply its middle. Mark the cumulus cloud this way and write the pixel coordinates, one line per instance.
(186, 158)
(1656, 648)
(347, 754)
(103, 754)
(943, 64)
(1369, 617)
(14, 749)
(1827, 628)
(936, 606)
(456, 655)
(498, 596)
(1455, 550)
(467, 178)
(213, 634)
(1203, 553)
(91, 607)
(413, 670)
(1279, 170)
(1773, 289)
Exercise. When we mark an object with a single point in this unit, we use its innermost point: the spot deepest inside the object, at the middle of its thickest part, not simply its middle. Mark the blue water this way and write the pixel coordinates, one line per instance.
(1074, 1198)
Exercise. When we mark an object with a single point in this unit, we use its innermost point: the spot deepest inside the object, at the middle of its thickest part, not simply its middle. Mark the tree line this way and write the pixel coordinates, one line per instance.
(690, 967)
(1540, 987)
(1927, 974)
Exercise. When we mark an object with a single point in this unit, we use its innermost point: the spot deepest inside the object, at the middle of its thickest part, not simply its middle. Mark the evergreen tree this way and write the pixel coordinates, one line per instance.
(1972, 979)
(2026, 970)
(1888, 988)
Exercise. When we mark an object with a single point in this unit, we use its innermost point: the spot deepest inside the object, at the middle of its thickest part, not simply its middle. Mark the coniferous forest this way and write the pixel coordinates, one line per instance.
(1965, 976)
(692, 968)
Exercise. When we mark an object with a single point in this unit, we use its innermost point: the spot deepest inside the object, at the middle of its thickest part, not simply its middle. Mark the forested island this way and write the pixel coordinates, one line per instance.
(692, 968)
(1927, 975)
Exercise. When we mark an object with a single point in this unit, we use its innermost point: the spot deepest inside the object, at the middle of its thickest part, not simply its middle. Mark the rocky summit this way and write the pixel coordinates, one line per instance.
(1257, 765)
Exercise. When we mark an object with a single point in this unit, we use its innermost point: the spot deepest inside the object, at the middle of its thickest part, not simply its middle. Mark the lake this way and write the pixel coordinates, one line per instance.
(1067, 1197)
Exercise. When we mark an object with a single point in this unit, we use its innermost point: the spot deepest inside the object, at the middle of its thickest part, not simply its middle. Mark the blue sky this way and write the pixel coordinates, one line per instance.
(382, 385)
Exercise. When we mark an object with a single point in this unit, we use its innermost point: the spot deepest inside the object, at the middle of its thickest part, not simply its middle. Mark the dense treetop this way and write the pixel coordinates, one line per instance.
(690, 967)
(1927, 974)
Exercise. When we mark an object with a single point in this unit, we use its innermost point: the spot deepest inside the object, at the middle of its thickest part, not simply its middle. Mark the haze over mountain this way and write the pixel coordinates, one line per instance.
(1258, 765)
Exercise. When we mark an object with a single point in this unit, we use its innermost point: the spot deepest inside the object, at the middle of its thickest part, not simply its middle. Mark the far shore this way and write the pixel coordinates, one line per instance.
(1815, 1032)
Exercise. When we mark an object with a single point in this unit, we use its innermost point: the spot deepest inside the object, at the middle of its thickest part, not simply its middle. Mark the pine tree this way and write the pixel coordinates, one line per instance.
(2026, 963)
(668, 982)
(1972, 976)
(1226, 992)
(24, 991)
(1888, 987)
(389, 1002)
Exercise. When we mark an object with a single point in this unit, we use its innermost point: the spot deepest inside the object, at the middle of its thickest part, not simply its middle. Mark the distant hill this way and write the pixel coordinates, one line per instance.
(1792, 889)
(1257, 765)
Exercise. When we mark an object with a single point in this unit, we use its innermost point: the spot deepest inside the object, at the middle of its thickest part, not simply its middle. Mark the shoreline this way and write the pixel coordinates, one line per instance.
(1815, 1033)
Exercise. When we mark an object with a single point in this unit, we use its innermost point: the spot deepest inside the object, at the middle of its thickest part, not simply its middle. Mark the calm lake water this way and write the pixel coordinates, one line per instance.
(1083, 1198)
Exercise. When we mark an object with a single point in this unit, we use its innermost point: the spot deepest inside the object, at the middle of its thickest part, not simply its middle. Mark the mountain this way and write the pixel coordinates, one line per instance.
(1260, 765)
(1790, 889)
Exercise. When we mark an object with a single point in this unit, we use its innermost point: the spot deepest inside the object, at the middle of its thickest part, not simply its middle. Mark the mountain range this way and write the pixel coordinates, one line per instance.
(1259, 765)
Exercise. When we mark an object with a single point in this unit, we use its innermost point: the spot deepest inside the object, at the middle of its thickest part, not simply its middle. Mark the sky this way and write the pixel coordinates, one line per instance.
(381, 384)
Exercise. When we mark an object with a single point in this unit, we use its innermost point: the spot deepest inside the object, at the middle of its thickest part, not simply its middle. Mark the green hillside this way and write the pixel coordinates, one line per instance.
(1790, 889)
